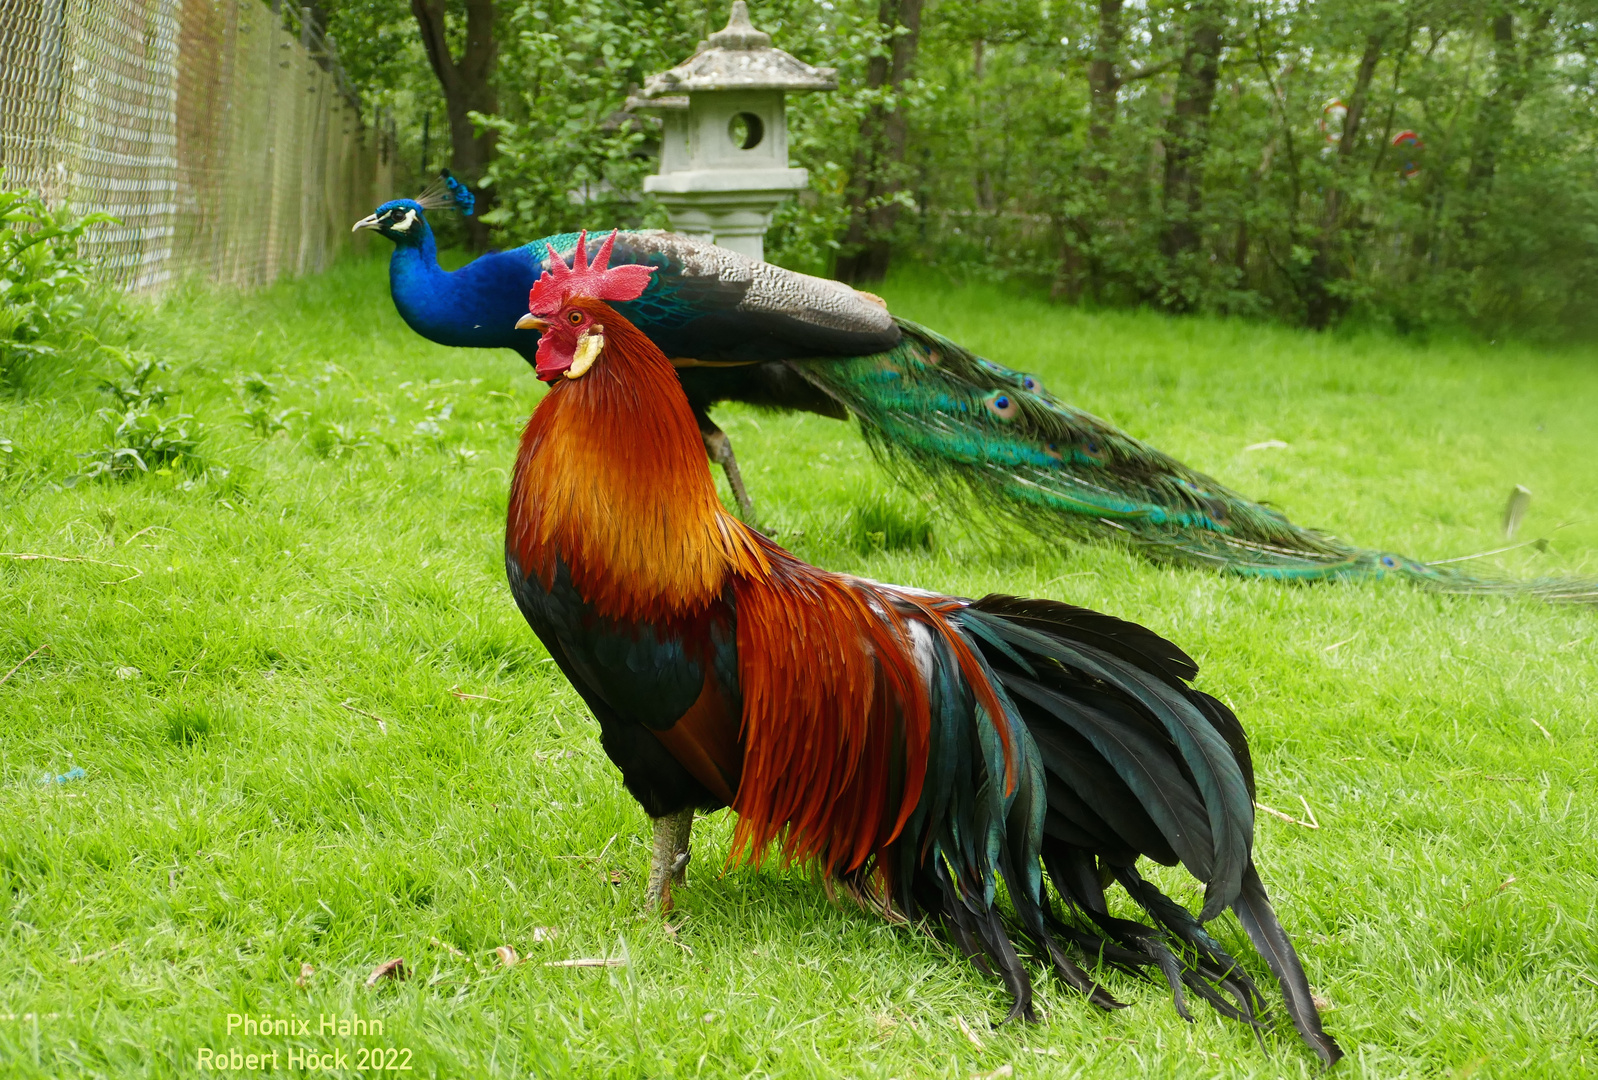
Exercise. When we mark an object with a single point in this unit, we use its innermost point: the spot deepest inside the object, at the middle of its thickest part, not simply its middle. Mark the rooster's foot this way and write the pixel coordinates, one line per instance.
(668, 861)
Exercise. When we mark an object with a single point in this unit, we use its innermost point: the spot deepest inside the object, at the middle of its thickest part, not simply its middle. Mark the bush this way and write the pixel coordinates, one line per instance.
(141, 440)
(47, 294)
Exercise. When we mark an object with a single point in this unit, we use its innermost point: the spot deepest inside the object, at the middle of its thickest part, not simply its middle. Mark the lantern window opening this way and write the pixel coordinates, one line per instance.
(745, 130)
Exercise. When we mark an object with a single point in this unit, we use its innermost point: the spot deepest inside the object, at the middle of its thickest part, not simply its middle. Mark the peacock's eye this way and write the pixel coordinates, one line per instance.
(575, 317)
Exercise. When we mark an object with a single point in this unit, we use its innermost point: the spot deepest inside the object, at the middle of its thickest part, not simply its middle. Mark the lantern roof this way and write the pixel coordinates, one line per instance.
(737, 57)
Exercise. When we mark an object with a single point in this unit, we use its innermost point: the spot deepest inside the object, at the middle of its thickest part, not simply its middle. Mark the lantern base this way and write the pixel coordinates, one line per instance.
(735, 218)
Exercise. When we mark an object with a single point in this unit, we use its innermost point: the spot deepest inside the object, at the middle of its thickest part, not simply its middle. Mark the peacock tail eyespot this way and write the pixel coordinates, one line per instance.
(1389, 562)
(1029, 383)
(1002, 405)
(1053, 450)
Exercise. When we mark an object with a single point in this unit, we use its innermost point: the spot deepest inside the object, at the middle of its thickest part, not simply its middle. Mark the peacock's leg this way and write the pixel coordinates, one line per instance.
(719, 449)
(668, 861)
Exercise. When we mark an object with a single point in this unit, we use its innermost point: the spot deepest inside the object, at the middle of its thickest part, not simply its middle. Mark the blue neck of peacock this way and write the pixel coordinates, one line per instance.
(415, 278)
(474, 307)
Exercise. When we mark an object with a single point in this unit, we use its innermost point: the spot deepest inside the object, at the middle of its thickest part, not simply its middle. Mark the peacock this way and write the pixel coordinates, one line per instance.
(936, 414)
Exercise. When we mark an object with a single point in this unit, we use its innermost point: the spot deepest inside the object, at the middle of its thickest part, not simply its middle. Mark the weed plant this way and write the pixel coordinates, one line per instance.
(51, 309)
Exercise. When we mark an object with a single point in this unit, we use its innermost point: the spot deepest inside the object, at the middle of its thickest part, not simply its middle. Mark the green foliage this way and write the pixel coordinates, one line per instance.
(825, 130)
(1498, 228)
(1010, 168)
(130, 386)
(257, 398)
(140, 438)
(381, 52)
(331, 439)
(184, 723)
(46, 291)
(1444, 745)
(568, 157)
(888, 521)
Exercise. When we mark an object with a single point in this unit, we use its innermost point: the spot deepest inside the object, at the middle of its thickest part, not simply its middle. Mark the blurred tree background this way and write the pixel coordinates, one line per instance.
(1414, 163)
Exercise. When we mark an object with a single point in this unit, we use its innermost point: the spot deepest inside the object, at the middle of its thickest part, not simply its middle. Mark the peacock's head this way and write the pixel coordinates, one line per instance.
(400, 220)
(567, 305)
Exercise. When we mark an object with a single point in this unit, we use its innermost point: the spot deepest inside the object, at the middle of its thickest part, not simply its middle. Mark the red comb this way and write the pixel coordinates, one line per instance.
(597, 280)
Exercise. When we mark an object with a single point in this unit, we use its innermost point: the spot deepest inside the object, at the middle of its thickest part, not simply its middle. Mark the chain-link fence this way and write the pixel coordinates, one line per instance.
(221, 133)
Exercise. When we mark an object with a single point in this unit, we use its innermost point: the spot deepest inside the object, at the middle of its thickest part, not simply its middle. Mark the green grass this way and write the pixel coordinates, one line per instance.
(316, 730)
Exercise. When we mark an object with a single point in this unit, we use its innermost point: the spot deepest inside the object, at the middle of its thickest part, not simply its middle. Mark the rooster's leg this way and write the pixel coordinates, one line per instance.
(669, 860)
(719, 449)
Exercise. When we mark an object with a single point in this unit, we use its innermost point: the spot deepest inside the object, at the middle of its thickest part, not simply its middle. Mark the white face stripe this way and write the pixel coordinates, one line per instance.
(405, 226)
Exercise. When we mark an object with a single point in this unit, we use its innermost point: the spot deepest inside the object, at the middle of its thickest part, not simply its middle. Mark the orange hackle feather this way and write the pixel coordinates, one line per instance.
(611, 479)
(835, 718)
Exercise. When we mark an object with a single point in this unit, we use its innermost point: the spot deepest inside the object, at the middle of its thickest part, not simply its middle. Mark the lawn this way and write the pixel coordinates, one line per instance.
(314, 730)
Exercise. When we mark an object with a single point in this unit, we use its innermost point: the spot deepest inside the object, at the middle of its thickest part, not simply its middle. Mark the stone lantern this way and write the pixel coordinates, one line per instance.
(724, 139)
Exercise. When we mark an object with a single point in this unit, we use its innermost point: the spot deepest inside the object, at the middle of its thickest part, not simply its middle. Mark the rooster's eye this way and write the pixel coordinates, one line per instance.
(576, 317)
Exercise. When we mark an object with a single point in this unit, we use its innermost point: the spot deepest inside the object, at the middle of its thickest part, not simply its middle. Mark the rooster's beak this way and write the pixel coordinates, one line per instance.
(531, 322)
(367, 222)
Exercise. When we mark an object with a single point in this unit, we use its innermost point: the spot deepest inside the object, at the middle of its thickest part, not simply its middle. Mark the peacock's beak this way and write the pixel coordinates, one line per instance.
(531, 322)
(367, 222)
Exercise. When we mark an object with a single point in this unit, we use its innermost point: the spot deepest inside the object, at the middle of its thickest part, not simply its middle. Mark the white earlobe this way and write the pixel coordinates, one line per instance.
(588, 349)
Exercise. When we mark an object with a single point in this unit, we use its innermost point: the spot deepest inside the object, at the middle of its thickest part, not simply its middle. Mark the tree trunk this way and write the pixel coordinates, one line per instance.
(878, 166)
(1079, 270)
(1323, 307)
(1104, 89)
(1512, 65)
(468, 87)
(984, 178)
(1498, 107)
(1187, 130)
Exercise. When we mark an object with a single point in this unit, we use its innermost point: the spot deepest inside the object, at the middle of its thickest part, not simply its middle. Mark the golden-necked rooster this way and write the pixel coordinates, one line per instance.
(915, 747)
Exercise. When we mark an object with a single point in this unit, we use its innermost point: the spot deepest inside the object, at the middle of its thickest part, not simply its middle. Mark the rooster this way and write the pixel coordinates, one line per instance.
(939, 415)
(913, 747)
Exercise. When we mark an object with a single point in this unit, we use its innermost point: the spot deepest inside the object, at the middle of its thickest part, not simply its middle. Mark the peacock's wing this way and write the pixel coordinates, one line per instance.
(714, 306)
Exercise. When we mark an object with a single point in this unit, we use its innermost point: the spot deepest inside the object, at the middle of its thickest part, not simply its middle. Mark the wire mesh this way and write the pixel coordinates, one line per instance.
(227, 143)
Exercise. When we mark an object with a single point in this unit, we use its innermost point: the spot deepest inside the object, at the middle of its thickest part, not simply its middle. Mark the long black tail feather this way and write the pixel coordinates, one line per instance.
(1254, 911)
(1188, 930)
(1119, 758)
